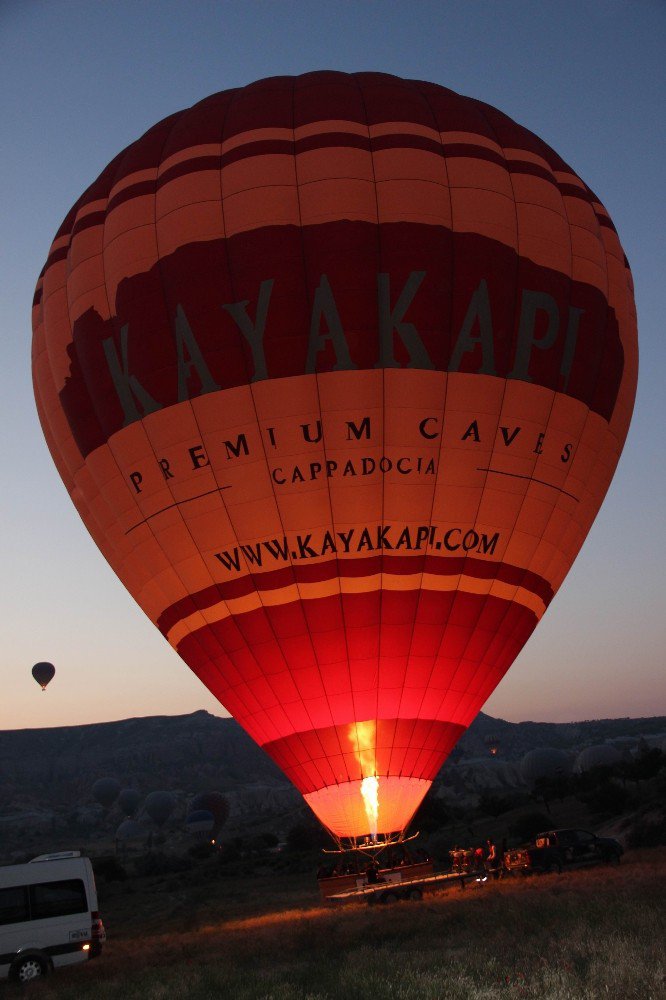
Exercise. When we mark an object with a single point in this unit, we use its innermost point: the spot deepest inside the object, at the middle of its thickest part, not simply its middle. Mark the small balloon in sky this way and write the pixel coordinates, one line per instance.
(43, 674)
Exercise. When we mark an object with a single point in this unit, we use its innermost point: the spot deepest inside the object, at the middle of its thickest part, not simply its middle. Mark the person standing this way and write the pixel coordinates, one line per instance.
(492, 859)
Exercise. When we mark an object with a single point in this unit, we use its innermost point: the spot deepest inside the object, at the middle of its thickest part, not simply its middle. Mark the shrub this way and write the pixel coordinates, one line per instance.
(608, 798)
(108, 870)
(262, 843)
(494, 805)
(439, 846)
(229, 853)
(555, 788)
(648, 831)
(646, 766)
(201, 851)
(432, 814)
(306, 837)
(161, 864)
(269, 840)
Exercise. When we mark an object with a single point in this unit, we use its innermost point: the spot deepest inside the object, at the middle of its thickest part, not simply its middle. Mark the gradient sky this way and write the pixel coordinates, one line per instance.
(81, 80)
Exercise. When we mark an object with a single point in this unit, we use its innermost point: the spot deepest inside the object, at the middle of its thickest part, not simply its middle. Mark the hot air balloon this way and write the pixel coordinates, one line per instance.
(493, 742)
(600, 755)
(216, 804)
(159, 806)
(105, 791)
(544, 763)
(201, 823)
(43, 674)
(129, 829)
(337, 370)
(129, 800)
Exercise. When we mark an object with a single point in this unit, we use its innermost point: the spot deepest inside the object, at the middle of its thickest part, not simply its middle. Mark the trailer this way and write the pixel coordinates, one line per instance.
(339, 884)
(395, 887)
(358, 875)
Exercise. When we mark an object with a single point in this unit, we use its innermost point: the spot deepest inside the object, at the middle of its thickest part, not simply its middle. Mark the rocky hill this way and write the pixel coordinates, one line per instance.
(46, 775)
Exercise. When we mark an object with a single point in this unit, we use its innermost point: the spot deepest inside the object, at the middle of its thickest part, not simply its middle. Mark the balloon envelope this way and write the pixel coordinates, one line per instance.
(216, 804)
(337, 370)
(602, 755)
(129, 800)
(159, 806)
(200, 821)
(43, 674)
(129, 829)
(105, 791)
(543, 763)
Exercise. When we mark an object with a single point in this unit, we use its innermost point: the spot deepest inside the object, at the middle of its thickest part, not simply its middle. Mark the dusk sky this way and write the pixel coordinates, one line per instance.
(81, 80)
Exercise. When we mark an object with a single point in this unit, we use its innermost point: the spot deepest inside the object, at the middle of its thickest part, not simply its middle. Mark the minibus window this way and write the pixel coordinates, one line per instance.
(13, 905)
(57, 899)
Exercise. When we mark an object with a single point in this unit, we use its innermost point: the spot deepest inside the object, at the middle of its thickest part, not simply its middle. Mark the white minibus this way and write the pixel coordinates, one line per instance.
(48, 915)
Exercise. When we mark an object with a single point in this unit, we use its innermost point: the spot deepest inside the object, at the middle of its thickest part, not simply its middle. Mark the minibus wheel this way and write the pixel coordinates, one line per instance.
(30, 967)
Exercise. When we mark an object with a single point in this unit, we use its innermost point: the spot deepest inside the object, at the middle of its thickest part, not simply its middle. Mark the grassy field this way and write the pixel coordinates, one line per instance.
(592, 933)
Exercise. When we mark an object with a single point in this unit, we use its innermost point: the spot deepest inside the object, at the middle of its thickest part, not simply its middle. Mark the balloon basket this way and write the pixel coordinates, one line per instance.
(369, 844)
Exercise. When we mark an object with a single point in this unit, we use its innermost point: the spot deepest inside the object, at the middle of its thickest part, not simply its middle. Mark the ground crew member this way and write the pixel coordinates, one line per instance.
(492, 860)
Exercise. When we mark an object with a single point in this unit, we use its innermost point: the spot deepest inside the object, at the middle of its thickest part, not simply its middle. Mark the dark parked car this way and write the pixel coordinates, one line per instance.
(557, 849)
(581, 845)
(533, 859)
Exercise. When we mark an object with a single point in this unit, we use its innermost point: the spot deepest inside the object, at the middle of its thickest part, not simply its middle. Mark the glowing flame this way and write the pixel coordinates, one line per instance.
(370, 793)
(363, 736)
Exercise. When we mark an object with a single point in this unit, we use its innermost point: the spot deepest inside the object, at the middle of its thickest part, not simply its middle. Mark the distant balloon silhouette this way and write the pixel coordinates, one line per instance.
(43, 674)
(129, 800)
(543, 763)
(337, 370)
(105, 791)
(200, 822)
(601, 755)
(216, 804)
(129, 829)
(625, 744)
(159, 806)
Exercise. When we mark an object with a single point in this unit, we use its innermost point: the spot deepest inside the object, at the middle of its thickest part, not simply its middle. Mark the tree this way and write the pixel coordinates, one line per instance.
(305, 837)
(527, 826)
(432, 814)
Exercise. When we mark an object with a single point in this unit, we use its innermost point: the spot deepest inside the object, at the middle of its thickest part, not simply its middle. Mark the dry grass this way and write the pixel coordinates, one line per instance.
(594, 933)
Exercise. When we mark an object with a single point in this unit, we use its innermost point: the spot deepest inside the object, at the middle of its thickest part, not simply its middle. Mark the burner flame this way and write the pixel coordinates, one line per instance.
(363, 736)
(370, 793)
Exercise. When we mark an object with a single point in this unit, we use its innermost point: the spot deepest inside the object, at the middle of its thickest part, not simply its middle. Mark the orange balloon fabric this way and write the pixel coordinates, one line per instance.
(337, 370)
